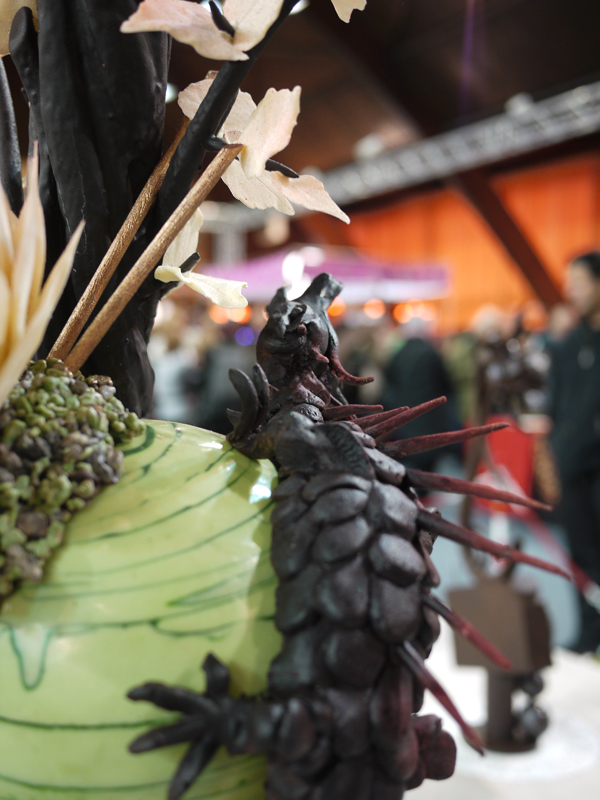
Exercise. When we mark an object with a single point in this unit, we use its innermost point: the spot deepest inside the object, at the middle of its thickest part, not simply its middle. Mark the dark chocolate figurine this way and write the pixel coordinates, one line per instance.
(351, 548)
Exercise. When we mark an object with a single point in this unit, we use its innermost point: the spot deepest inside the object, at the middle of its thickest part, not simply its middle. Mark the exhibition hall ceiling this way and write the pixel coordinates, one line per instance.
(403, 69)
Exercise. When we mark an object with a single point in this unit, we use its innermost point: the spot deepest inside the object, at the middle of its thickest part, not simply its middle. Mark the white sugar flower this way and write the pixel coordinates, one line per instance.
(344, 8)
(264, 130)
(25, 304)
(224, 293)
(8, 9)
(193, 24)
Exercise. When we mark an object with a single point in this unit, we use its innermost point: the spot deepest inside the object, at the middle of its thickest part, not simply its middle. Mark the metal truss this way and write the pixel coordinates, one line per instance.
(526, 126)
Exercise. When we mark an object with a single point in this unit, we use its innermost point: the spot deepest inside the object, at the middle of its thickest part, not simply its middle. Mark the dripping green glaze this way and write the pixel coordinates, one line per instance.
(167, 565)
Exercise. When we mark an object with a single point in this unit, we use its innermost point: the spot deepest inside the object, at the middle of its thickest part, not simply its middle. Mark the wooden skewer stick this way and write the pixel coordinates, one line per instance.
(150, 257)
(82, 311)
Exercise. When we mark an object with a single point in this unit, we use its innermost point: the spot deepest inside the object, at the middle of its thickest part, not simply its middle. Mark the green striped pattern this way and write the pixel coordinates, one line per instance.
(167, 565)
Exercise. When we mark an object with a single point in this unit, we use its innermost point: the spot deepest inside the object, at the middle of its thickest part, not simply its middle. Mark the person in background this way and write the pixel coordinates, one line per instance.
(489, 325)
(562, 318)
(415, 373)
(574, 408)
(172, 355)
(215, 392)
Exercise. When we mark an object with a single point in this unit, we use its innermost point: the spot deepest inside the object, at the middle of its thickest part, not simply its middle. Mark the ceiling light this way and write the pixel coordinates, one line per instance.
(337, 308)
(374, 308)
(171, 93)
(299, 7)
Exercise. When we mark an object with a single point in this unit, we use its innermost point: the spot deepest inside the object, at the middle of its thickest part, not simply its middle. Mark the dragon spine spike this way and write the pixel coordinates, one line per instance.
(409, 654)
(345, 412)
(444, 483)
(467, 630)
(418, 444)
(374, 419)
(441, 527)
(387, 427)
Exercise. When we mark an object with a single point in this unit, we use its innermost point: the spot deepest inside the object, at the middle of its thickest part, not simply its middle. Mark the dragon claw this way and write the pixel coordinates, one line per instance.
(255, 395)
(248, 395)
(217, 677)
(199, 754)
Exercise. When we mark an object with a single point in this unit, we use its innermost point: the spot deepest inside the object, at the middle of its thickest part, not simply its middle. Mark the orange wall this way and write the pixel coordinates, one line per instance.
(557, 207)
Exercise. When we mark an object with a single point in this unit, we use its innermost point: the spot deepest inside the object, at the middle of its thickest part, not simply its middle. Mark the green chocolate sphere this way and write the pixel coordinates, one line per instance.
(169, 564)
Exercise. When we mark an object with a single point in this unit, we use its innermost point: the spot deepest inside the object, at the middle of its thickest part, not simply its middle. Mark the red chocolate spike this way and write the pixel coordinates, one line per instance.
(347, 411)
(441, 527)
(383, 430)
(375, 418)
(443, 483)
(465, 628)
(418, 444)
(409, 654)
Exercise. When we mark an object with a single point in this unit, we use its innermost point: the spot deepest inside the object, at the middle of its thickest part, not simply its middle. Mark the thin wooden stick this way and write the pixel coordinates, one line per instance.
(82, 311)
(150, 257)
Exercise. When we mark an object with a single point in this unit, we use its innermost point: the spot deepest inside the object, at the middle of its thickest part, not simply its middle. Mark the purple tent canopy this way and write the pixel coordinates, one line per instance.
(362, 279)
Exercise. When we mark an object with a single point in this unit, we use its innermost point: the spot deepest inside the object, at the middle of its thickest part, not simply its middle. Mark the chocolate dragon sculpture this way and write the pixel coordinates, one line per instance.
(351, 548)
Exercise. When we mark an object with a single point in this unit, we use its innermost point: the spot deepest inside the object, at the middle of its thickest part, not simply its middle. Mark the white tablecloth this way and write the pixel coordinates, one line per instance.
(566, 762)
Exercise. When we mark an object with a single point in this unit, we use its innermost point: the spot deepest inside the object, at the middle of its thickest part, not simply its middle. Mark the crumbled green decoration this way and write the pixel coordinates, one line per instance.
(58, 438)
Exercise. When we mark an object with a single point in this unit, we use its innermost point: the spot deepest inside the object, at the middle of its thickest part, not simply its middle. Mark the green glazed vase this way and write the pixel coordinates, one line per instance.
(164, 567)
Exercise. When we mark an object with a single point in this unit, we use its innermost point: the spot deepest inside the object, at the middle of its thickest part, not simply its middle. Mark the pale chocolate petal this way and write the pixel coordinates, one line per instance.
(8, 229)
(308, 192)
(190, 98)
(251, 19)
(186, 241)
(188, 23)
(255, 192)
(344, 8)
(240, 114)
(29, 257)
(5, 298)
(269, 130)
(224, 293)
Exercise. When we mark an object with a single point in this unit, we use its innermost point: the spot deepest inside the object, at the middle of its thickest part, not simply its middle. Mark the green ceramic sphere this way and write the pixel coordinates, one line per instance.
(160, 569)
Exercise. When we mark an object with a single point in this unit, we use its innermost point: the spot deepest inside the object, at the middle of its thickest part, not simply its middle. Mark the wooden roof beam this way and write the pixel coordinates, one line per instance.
(474, 185)
(477, 189)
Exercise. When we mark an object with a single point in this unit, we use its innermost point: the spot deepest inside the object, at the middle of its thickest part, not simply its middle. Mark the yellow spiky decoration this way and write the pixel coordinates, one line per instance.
(26, 305)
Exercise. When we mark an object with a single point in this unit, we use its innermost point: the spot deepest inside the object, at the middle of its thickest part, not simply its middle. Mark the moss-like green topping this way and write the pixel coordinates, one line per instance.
(58, 433)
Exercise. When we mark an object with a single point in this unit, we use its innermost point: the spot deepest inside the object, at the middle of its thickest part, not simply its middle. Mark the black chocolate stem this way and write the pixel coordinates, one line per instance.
(10, 156)
(208, 119)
